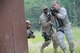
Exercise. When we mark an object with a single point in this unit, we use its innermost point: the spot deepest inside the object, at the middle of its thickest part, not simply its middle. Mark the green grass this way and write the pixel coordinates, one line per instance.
(34, 44)
(76, 33)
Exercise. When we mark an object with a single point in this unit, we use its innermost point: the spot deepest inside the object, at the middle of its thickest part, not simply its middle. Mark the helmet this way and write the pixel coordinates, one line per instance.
(27, 21)
(44, 7)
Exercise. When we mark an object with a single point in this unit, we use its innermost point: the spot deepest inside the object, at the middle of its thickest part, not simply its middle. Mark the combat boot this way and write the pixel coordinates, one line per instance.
(64, 51)
(71, 51)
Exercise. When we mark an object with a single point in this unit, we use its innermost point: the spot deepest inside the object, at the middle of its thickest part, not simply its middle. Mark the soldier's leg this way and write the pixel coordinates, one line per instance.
(61, 40)
(55, 43)
(45, 44)
(69, 39)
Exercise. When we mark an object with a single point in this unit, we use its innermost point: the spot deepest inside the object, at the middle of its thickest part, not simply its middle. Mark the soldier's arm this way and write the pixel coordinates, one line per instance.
(44, 23)
(53, 18)
(62, 13)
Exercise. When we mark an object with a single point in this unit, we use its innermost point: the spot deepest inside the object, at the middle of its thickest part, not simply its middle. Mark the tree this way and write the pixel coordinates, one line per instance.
(33, 9)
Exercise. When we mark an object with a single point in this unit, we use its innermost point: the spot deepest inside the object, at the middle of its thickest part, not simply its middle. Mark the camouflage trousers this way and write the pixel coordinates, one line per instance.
(67, 33)
(52, 37)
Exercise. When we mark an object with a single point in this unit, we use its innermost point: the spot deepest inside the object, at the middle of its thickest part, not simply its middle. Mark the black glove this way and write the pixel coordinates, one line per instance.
(53, 12)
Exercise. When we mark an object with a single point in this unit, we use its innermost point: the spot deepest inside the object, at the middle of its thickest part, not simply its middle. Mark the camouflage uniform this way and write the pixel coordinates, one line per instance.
(65, 29)
(30, 33)
(47, 33)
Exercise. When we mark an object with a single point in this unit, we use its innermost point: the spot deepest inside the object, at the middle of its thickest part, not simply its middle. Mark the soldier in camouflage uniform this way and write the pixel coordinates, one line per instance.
(30, 33)
(63, 26)
(47, 32)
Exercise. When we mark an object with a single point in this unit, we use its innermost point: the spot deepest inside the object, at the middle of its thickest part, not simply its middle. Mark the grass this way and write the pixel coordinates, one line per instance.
(34, 44)
(76, 33)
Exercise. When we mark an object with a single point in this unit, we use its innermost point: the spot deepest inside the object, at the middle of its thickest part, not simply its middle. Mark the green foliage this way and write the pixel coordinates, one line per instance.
(33, 10)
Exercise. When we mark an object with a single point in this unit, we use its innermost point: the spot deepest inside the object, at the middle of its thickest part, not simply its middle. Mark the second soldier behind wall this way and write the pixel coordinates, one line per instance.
(47, 32)
(30, 33)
